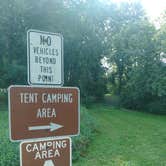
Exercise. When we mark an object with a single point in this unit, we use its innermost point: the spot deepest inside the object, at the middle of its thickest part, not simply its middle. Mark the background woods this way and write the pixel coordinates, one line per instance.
(121, 34)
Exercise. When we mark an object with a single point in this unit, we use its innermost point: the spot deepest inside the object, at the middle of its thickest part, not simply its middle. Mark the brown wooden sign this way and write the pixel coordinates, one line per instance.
(50, 152)
(37, 112)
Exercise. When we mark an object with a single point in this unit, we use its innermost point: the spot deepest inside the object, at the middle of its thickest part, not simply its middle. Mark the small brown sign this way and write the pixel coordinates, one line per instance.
(37, 112)
(50, 152)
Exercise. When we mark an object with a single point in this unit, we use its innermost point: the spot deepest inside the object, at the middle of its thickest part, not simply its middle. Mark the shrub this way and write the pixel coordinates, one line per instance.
(157, 107)
(9, 151)
(112, 100)
(87, 133)
(3, 98)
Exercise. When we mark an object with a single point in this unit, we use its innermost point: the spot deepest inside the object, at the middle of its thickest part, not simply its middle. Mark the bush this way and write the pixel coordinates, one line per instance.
(88, 100)
(112, 100)
(3, 98)
(157, 107)
(87, 133)
(9, 151)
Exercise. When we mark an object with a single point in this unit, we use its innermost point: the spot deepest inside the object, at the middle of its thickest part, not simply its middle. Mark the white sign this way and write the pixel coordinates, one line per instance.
(45, 58)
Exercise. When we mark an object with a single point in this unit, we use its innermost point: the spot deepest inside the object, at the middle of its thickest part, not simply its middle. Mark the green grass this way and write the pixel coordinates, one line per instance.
(87, 134)
(9, 152)
(126, 138)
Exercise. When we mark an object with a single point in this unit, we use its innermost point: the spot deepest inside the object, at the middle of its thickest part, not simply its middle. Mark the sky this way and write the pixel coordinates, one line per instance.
(153, 7)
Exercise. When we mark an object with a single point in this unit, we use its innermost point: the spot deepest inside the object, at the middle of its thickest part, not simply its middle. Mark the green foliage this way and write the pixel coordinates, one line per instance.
(156, 106)
(92, 31)
(126, 138)
(78, 23)
(9, 153)
(84, 49)
(87, 132)
(3, 98)
(138, 72)
(112, 100)
(146, 80)
(13, 74)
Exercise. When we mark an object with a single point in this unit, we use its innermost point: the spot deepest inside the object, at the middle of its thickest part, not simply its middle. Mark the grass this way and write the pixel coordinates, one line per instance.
(126, 138)
(9, 152)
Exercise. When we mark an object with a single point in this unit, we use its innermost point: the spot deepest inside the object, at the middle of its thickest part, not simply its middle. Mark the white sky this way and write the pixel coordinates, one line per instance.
(153, 7)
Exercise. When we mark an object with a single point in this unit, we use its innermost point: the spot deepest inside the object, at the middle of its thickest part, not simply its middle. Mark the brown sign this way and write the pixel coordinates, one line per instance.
(37, 112)
(50, 152)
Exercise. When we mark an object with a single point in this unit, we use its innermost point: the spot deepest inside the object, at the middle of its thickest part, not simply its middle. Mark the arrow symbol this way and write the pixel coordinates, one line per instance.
(48, 163)
(51, 127)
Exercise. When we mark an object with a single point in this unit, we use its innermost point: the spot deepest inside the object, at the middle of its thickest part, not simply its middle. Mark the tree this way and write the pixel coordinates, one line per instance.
(137, 69)
(121, 46)
(77, 21)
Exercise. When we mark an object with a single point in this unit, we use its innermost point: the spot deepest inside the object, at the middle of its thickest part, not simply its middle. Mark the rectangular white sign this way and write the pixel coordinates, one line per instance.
(45, 58)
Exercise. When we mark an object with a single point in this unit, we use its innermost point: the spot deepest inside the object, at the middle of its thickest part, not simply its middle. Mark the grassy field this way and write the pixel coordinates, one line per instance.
(9, 152)
(124, 138)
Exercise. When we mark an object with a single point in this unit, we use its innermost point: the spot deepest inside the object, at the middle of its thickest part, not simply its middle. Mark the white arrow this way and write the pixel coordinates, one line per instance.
(48, 163)
(51, 127)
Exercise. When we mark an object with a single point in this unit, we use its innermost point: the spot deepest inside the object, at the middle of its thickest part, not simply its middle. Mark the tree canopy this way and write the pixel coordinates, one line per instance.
(135, 50)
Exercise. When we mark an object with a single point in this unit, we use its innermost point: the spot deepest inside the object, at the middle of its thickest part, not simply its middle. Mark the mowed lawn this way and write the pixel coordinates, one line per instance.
(126, 138)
